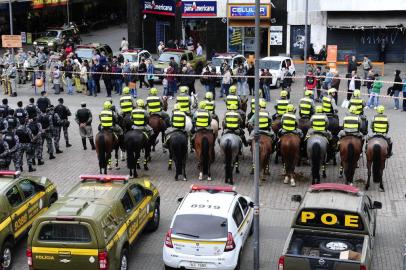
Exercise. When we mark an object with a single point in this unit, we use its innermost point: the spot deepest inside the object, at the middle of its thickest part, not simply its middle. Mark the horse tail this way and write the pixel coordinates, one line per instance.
(204, 156)
(179, 150)
(229, 157)
(316, 159)
(351, 162)
(102, 151)
(376, 163)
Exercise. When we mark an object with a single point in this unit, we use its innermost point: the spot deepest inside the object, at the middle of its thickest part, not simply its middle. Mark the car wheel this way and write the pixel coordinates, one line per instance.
(124, 260)
(53, 198)
(168, 268)
(7, 255)
(153, 224)
(238, 266)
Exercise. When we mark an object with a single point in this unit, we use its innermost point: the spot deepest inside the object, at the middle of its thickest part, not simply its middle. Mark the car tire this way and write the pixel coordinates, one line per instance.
(53, 198)
(124, 260)
(238, 266)
(251, 229)
(7, 254)
(168, 267)
(153, 224)
(325, 249)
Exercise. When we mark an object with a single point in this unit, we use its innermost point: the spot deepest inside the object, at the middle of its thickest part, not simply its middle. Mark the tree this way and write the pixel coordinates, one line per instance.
(134, 23)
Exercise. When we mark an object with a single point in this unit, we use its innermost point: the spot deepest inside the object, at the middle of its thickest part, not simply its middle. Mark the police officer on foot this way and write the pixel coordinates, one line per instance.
(14, 145)
(20, 113)
(36, 142)
(43, 102)
(25, 137)
(83, 118)
(4, 155)
(56, 128)
(32, 109)
(45, 119)
(63, 112)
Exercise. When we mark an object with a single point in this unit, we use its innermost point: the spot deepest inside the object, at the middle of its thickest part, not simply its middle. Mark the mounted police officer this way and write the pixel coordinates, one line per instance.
(108, 119)
(201, 120)
(319, 124)
(289, 122)
(154, 106)
(56, 128)
(329, 104)
(232, 122)
(380, 127)
(252, 112)
(211, 106)
(45, 119)
(14, 145)
(178, 122)
(83, 118)
(36, 142)
(63, 113)
(306, 105)
(20, 113)
(184, 100)
(265, 122)
(281, 105)
(232, 98)
(25, 137)
(32, 109)
(351, 124)
(140, 119)
(359, 104)
(126, 102)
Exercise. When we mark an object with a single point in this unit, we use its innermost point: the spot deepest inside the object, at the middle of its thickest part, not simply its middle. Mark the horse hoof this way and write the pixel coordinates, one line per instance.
(340, 176)
(176, 178)
(286, 180)
(123, 159)
(164, 151)
(200, 176)
(366, 187)
(146, 168)
(292, 182)
(237, 170)
(209, 178)
(324, 175)
(381, 189)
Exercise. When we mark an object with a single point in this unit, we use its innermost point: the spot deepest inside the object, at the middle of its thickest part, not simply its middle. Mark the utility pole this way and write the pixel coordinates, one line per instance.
(67, 11)
(178, 20)
(256, 138)
(10, 8)
(306, 36)
(134, 23)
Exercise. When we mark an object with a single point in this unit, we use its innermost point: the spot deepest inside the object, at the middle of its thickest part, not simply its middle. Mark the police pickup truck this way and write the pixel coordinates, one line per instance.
(333, 229)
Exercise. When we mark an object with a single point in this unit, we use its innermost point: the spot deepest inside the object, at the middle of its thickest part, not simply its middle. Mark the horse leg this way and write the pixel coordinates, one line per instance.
(163, 140)
(170, 161)
(184, 169)
(292, 180)
(323, 168)
(341, 171)
(153, 139)
(109, 162)
(199, 168)
(131, 172)
(209, 173)
(116, 158)
(369, 175)
(252, 169)
(237, 166)
(381, 188)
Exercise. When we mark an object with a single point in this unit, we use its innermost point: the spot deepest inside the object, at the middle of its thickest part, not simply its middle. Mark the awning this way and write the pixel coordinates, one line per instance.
(356, 20)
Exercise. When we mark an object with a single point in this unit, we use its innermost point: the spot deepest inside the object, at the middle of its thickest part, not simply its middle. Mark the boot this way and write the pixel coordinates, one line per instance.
(51, 156)
(68, 144)
(40, 162)
(92, 143)
(390, 150)
(84, 143)
(33, 162)
(31, 169)
(58, 151)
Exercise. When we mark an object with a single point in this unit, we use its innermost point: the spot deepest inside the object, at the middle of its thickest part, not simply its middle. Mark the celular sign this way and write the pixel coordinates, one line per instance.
(248, 11)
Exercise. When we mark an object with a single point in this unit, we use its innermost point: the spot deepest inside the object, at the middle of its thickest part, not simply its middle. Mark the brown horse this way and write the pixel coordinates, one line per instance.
(377, 153)
(350, 151)
(105, 143)
(265, 152)
(157, 123)
(204, 146)
(290, 152)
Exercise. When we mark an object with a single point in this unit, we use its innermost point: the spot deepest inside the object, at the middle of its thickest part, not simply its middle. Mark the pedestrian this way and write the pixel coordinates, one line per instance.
(373, 101)
(320, 76)
(404, 95)
(370, 81)
(328, 79)
(83, 76)
(323, 53)
(353, 84)
(241, 80)
(91, 84)
(310, 52)
(127, 72)
(397, 88)
(311, 82)
(150, 73)
(64, 113)
(212, 81)
(286, 80)
(56, 79)
(335, 83)
(382, 50)
(366, 66)
(161, 47)
(107, 79)
(142, 68)
(170, 72)
(199, 50)
(225, 81)
(69, 76)
(97, 70)
(190, 79)
(45, 119)
(266, 84)
(352, 65)
(83, 118)
(251, 80)
(124, 45)
(117, 78)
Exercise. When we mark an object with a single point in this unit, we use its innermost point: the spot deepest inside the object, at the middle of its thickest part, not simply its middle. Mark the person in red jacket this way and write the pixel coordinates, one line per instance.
(311, 82)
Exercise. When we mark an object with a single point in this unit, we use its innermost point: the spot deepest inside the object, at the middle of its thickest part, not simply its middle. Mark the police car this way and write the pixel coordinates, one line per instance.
(209, 229)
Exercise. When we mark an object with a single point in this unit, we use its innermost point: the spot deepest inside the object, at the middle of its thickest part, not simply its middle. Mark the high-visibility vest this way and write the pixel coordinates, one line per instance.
(380, 124)
(154, 104)
(357, 103)
(210, 106)
(178, 119)
(326, 103)
(126, 104)
(184, 103)
(231, 100)
(281, 106)
(289, 122)
(305, 106)
(202, 118)
(232, 120)
(263, 119)
(319, 122)
(138, 117)
(106, 118)
(253, 104)
(351, 123)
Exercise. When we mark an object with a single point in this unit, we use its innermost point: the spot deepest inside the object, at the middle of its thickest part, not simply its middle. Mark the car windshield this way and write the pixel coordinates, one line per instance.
(219, 61)
(84, 53)
(272, 64)
(130, 57)
(165, 57)
(51, 34)
(200, 226)
(65, 233)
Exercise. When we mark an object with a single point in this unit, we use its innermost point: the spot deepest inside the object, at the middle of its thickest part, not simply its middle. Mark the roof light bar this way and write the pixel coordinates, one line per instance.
(212, 188)
(104, 178)
(334, 187)
(10, 173)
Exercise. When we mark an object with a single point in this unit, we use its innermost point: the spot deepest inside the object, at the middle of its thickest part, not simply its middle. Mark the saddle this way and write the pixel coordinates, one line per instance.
(143, 132)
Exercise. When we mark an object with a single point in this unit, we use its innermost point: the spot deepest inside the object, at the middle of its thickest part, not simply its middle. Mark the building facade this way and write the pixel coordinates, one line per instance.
(358, 27)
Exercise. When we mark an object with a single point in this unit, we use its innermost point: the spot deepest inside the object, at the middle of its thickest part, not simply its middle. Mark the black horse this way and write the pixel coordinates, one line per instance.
(178, 147)
(135, 141)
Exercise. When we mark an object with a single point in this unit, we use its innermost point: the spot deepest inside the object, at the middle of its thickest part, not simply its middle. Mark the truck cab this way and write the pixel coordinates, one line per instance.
(333, 229)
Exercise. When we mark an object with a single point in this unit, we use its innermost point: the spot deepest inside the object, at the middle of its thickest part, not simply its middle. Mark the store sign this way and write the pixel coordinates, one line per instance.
(248, 11)
(199, 8)
(160, 7)
(11, 41)
(42, 3)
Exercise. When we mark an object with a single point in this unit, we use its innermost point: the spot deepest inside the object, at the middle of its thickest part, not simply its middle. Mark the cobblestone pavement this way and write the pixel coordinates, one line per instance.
(276, 208)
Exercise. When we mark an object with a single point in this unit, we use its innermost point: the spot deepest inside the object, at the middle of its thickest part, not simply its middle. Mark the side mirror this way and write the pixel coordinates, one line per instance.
(377, 205)
(296, 198)
(180, 200)
(149, 192)
(251, 204)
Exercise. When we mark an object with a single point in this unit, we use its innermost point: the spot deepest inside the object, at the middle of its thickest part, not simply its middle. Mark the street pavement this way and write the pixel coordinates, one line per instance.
(276, 210)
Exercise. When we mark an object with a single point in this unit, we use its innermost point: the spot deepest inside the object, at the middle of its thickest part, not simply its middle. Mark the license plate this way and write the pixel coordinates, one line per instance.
(198, 265)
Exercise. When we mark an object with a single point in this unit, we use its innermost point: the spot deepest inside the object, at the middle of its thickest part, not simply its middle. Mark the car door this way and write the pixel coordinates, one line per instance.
(238, 218)
(140, 215)
(18, 215)
(246, 226)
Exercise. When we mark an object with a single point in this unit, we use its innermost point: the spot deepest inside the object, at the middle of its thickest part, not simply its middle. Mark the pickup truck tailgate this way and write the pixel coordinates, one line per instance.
(302, 263)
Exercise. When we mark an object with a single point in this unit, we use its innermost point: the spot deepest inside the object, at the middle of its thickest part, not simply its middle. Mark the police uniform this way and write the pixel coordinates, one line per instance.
(232, 124)
(36, 142)
(21, 114)
(202, 120)
(4, 155)
(380, 127)
(319, 124)
(289, 125)
(329, 105)
(233, 100)
(45, 119)
(154, 106)
(63, 113)
(14, 148)
(126, 104)
(83, 118)
(351, 126)
(32, 110)
(4, 110)
(359, 105)
(265, 124)
(43, 103)
(10, 122)
(178, 121)
(140, 121)
(56, 130)
(108, 121)
(211, 107)
(184, 101)
(25, 137)
(252, 112)
(306, 107)
(280, 108)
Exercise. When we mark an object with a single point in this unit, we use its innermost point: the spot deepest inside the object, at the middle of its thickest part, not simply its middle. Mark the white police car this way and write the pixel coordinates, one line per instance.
(209, 229)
